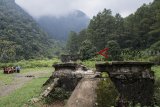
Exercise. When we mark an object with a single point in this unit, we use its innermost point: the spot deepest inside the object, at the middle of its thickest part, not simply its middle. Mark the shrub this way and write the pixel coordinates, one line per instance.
(106, 93)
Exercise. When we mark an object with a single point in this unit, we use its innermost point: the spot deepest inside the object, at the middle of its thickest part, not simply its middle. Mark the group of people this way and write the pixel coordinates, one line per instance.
(8, 70)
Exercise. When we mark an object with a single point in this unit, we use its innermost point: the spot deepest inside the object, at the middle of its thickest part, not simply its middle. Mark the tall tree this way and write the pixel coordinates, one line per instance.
(87, 50)
(72, 43)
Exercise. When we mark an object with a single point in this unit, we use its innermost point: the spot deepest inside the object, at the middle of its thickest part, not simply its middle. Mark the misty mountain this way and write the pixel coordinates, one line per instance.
(20, 35)
(60, 27)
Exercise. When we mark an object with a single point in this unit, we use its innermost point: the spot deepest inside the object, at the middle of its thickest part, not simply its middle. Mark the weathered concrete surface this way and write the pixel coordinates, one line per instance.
(133, 80)
(84, 94)
(68, 75)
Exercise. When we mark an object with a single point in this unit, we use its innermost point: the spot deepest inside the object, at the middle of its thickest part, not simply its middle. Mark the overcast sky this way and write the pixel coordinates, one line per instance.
(39, 8)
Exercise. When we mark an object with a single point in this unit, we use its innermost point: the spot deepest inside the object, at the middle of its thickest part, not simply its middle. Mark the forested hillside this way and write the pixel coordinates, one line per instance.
(59, 27)
(138, 31)
(20, 37)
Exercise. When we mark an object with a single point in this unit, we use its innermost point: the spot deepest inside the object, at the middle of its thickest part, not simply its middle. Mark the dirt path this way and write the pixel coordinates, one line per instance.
(19, 80)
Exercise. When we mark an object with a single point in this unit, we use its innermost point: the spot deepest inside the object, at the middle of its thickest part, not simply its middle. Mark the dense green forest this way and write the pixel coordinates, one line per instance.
(21, 37)
(139, 31)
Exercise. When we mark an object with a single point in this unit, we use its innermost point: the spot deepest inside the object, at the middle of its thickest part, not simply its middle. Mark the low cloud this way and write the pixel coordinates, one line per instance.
(39, 8)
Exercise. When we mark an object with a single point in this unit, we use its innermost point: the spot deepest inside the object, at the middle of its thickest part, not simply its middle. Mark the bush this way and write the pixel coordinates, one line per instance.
(88, 63)
(106, 93)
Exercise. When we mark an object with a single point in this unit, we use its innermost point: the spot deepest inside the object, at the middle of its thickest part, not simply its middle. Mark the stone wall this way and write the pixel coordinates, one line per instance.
(133, 80)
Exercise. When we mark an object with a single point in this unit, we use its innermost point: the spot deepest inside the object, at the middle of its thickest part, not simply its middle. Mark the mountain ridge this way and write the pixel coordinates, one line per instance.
(20, 36)
(59, 27)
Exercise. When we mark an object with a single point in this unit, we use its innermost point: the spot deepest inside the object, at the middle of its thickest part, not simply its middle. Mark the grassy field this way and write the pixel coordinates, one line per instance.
(26, 66)
(8, 78)
(22, 95)
(31, 89)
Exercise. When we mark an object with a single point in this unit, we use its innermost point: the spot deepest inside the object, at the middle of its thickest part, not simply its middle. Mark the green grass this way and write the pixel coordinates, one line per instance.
(156, 70)
(90, 64)
(21, 96)
(32, 63)
(8, 78)
(27, 66)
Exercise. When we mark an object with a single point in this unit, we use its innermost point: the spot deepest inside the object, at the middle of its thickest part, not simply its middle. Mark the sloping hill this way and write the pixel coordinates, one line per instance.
(20, 36)
(59, 27)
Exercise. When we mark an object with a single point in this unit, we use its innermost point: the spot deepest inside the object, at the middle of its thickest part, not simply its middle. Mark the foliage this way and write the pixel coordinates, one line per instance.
(155, 59)
(88, 63)
(72, 44)
(156, 70)
(20, 36)
(114, 50)
(86, 50)
(138, 31)
(32, 63)
(106, 93)
(156, 46)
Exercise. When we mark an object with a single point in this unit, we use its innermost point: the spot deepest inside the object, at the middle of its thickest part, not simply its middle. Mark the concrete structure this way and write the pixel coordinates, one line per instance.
(133, 80)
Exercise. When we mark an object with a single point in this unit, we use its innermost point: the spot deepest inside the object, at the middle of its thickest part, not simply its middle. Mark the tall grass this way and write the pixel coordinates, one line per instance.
(32, 63)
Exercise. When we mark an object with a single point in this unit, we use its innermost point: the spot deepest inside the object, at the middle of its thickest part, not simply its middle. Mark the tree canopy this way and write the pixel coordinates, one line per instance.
(138, 31)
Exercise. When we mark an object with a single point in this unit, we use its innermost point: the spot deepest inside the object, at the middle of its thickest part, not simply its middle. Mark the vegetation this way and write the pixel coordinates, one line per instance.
(20, 36)
(106, 93)
(5, 79)
(137, 32)
(23, 43)
(8, 79)
(156, 70)
(31, 89)
(32, 63)
(27, 66)
(22, 95)
(86, 50)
